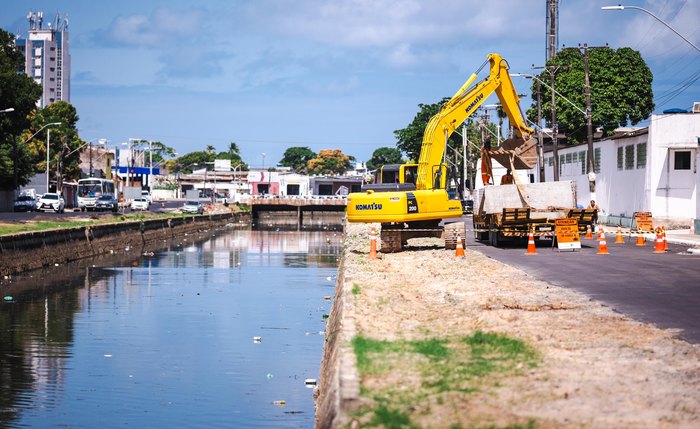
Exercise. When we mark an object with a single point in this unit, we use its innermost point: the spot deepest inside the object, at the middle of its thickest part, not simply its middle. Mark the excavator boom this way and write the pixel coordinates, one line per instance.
(462, 105)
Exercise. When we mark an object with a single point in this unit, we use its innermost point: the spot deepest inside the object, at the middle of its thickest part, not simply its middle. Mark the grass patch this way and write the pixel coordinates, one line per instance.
(355, 289)
(435, 366)
(41, 225)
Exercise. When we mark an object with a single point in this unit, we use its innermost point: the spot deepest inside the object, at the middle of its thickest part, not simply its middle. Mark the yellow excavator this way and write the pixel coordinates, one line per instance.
(411, 200)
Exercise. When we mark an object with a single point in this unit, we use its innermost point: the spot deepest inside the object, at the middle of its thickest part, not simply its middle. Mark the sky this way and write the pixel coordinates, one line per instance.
(326, 74)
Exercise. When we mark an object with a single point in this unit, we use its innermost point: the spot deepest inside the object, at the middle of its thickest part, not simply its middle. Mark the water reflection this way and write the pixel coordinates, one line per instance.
(167, 339)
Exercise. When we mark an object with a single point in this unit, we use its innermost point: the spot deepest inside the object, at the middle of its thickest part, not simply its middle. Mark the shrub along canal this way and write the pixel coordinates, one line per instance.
(220, 332)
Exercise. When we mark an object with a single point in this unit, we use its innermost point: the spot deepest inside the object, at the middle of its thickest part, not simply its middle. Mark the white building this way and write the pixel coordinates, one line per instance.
(47, 57)
(651, 169)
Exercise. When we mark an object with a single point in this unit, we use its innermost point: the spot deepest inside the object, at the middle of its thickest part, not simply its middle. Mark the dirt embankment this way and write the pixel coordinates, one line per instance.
(585, 366)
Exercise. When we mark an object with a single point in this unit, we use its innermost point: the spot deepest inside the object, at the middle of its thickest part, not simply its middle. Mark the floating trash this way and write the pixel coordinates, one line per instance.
(280, 402)
(310, 382)
(327, 298)
(325, 316)
(8, 298)
(257, 339)
(55, 265)
(269, 376)
(108, 356)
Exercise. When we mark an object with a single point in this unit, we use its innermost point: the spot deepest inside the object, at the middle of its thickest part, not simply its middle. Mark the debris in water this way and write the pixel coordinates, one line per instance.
(55, 265)
(329, 278)
(280, 402)
(327, 298)
(108, 356)
(269, 376)
(8, 298)
(257, 339)
(325, 316)
(294, 412)
(310, 382)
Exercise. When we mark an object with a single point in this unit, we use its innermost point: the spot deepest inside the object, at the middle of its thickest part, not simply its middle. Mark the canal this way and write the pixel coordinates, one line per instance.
(217, 332)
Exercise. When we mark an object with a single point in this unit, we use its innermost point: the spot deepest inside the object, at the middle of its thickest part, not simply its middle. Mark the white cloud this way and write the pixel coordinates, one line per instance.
(401, 56)
(163, 26)
(389, 23)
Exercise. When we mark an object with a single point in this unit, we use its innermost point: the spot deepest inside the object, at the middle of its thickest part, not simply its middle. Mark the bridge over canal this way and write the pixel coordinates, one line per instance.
(297, 212)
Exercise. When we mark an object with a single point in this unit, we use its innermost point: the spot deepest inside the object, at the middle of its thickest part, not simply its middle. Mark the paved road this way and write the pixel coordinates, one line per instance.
(663, 289)
(23, 216)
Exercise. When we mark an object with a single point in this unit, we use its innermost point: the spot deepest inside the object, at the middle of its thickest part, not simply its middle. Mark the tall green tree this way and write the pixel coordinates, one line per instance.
(329, 161)
(194, 161)
(383, 156)
(20, 92)
(297, 158)
(621, 92)
(65, 144)
(234, 155)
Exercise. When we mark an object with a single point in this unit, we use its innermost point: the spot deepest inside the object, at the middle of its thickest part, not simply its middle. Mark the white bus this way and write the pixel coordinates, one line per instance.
(90, 190)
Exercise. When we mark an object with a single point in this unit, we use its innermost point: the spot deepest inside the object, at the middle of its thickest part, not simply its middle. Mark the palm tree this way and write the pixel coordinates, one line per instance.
(210, 149)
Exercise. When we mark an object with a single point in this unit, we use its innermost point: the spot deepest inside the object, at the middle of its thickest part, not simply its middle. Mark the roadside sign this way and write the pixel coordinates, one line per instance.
(644, 221)
(567, 233)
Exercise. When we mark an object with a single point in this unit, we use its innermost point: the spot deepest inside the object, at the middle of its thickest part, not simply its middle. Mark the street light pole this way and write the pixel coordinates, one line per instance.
(621, 7)
(48, 147)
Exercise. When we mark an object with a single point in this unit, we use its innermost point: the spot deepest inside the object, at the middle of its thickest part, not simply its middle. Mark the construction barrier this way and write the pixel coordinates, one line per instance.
(459, 249)
(373, 244)
(531, 249)
(602, 246)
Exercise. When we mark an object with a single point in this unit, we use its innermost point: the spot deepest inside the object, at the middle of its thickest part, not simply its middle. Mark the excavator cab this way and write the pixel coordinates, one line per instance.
(394, 177)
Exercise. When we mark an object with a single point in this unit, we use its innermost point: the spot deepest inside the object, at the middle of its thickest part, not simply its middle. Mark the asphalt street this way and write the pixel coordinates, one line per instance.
(662, 289)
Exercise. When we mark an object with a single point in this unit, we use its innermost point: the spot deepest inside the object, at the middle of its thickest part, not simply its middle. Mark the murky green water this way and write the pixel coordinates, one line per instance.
(169, 340)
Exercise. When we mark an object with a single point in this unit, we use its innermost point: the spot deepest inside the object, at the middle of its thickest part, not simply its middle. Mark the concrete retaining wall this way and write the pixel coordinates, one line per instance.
(339, 385)
(31, 250)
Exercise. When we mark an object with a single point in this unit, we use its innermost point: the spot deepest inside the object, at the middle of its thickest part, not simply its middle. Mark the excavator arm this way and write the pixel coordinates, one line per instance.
(521, 150)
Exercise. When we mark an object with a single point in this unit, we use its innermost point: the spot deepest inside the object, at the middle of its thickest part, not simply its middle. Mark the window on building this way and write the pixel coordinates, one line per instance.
(596, 160)
(641, 155)
(619, 157)
(681, 160)
(292, 189)
(550, 161)
(629, 157)
(582, 160)
(325, 189)
(569, 158)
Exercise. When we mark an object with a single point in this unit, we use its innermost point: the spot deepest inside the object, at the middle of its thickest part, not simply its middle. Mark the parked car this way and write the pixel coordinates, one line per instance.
(51, 201)
(147, 195)
(140, 204)
(107, 202)
(193, 207)
(25, 203)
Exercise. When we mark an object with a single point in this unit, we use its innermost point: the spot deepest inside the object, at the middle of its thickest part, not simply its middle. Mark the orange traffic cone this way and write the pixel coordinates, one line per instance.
(459, 249)
(602, 246)
(663, 234)
(588, 232)
(659, 244)
(373, 244)
(619, 239)
(531, 250)
(640, 239)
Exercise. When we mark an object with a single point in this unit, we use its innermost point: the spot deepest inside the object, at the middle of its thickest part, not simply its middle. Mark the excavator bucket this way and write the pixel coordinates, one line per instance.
(524, 153)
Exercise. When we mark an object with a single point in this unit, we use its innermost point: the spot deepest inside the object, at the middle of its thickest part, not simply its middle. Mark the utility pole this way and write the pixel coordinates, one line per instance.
(589, 124)
(555, 127)
(90, 159)
(540, 142)
(552, 29)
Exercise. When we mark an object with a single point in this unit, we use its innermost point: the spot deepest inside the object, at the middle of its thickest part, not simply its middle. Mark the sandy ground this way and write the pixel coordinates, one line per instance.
(598, 368)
